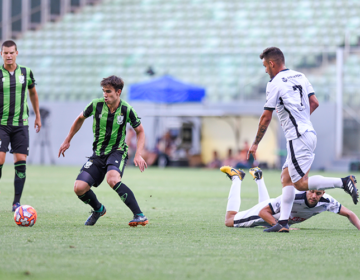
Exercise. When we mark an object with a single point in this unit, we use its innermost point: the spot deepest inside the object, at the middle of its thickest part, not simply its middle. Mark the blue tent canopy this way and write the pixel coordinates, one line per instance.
(166, 90)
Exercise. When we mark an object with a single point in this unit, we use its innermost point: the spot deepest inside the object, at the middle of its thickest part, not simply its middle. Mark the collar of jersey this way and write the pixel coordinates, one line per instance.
(278, 73)
(17, 66)
(116, 108)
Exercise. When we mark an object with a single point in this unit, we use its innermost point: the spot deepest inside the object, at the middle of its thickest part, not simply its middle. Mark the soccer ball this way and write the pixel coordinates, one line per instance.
(25, 216)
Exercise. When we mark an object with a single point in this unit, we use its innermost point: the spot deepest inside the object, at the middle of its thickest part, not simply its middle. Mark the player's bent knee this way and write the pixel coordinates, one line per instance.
(301, 186)
(81, 187)
(229, 223)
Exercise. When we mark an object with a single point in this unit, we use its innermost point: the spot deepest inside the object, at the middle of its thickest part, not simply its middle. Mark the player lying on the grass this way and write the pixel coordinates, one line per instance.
(266, 213)
(110, 116)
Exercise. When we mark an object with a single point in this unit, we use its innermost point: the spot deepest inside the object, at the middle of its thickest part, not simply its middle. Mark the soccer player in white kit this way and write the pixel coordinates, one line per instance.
(306, 204)
(292, 96)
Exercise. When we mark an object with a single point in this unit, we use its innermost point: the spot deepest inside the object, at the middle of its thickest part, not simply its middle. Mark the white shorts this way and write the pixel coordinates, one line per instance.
(250, 217)
(300, 155)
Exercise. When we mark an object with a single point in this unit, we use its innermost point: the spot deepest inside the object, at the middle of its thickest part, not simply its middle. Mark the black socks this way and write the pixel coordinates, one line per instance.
(128, 197)
(19, 181)
(90, 198)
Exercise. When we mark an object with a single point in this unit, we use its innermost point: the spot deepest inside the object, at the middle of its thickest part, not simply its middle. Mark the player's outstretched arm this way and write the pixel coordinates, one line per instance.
(314, 103)
(264, 122)
(138, 159)
(35, 104)
(266, 215)
(74, 128)
(351, 216)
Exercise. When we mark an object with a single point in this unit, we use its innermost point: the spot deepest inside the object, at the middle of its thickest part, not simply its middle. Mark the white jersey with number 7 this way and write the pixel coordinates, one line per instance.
(288, 93)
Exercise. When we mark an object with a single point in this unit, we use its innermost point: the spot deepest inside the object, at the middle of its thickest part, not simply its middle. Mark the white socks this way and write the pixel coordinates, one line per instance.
(287, 200)
(262, 190)
(318, 182)
(234, 195)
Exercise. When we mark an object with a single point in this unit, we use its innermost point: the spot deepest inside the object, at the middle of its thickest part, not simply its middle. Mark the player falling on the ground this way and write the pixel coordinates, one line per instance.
(292, 96)
(15, 80)
(111, 114)
(306, 204)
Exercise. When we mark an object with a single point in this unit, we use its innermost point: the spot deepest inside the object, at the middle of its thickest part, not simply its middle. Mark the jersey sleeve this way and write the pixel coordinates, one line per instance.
(31, 80)
(309, 88)
(89, 110)
(334, 206)
(134, 120)
(275, 205)
(272, 96)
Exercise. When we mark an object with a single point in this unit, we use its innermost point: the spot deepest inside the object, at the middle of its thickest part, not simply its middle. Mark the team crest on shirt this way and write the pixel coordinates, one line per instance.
(120, 119)
(21, 79)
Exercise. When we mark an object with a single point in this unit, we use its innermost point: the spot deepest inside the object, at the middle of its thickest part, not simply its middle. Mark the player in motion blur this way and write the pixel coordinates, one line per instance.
(110, 114)
(15, 80)
(267, 211)
(293, 97)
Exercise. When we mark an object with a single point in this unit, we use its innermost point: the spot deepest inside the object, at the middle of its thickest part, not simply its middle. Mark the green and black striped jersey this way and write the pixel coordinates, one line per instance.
(14, 108)
(110, 129)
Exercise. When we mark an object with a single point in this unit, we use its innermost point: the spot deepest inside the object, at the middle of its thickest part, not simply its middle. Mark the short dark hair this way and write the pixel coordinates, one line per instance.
(8, 44)
(273, 53)
(116, 82)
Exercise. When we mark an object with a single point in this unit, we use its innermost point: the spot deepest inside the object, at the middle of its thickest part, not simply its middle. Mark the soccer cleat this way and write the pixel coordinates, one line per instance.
(15, 206)
(256, 172)
(278, 228)
(350, 188)
(230, 172)
(138, 220)
(94, 217)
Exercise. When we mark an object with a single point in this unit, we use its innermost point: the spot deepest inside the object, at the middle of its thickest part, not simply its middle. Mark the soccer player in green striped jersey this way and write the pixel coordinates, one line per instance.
(110, 116)
(15, 80)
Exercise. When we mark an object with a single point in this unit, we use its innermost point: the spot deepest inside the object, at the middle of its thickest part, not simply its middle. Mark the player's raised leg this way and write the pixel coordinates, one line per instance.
(318, 182)
(113, 178)
(263, 194)
(234, 199)
(82, 189)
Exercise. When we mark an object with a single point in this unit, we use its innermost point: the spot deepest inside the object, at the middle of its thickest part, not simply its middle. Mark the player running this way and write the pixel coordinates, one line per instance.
(293, 97)
(306, 204)
(15, 81)
(110, 116)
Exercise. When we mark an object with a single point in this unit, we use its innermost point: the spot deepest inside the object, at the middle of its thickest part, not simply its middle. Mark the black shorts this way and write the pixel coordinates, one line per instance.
(98, 166)
(17, 136)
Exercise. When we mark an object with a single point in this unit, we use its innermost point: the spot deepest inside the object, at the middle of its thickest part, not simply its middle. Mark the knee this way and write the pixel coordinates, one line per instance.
(229, 222)
(112, 181)
(81, 187)
(301, 185)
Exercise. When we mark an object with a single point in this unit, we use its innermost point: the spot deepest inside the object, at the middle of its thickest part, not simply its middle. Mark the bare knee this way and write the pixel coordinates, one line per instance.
(302, 184)
(229, 223)
(81, 187)
(112, 178)
(229, 218)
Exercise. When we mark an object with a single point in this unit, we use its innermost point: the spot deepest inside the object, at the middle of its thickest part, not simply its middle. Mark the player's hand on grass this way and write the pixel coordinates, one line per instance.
(252, 151)
(140, 162)
(64, 146)
(37, 125)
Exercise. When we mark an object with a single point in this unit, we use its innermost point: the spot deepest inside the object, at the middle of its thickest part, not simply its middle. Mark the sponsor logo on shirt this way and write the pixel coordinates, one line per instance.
(284, 79)
(295, 76)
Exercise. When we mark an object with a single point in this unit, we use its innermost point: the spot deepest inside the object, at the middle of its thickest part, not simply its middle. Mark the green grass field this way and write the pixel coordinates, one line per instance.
(186, 237)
